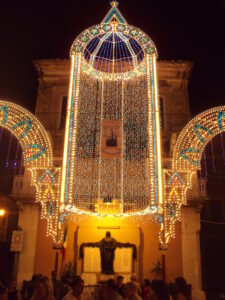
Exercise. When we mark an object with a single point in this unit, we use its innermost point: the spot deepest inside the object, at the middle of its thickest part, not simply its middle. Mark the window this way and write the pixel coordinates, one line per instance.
(161, 110)
(63, 112)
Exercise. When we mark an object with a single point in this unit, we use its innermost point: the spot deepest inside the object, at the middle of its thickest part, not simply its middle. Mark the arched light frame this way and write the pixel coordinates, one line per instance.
(194, 137)
(38, 160)
(86, 36)
(30, 133)
(186, 162)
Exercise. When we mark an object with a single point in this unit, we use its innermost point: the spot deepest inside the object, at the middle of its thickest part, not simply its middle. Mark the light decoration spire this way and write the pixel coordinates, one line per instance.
(113, 14)
(114, 3)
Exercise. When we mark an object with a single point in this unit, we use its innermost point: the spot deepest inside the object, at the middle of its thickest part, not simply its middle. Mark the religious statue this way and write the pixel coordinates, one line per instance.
(107, 248)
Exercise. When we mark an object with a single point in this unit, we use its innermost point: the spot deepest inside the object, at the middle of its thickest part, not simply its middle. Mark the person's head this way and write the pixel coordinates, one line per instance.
(109, 289)
(35, 277)
(54, 274)
(3, 290)
(78, 286)
(42, 289)
(147, 282)
(159, 289)
(129, 289)
(182, 286)
(3, 277)
(133, 277)
(12, 284)
(119, 280)
(111, 285)
(221, 296)
(108, 234)
(172, 290)
(65, 279)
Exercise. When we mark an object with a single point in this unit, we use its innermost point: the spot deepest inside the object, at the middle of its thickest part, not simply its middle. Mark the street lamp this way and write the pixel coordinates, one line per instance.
(2, 212)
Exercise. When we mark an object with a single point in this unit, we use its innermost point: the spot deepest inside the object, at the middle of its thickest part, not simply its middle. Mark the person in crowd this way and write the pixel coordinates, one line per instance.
(120, 285)
(172, 290)
(130, 291)
(110, 291)
(54, 282)
(77, 292)
(159, 290)
(42, 290)
(64, 288)
(183, 290)
(13, 294)
(133, 279)
(24, 290)
(28, 287)
(221, 296)
(146, 291)
(3, 284)
(3, 292)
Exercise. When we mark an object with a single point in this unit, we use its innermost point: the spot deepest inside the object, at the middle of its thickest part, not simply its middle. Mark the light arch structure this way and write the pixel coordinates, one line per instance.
(186, 162)
(33, 138)
(37, 158)
(194, 138)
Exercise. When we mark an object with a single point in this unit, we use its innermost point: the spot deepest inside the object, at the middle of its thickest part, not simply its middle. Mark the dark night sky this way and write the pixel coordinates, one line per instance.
(185, 30)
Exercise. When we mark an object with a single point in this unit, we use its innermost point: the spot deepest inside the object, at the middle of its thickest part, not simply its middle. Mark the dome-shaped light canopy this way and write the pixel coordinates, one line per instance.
(114, 52)
(113, 49)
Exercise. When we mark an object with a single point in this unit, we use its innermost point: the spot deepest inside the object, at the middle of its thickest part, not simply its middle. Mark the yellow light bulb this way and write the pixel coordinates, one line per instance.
(2, 212)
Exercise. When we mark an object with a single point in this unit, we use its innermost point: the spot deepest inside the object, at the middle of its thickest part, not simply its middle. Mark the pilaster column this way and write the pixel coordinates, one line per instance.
(191, 257)
(28, 222)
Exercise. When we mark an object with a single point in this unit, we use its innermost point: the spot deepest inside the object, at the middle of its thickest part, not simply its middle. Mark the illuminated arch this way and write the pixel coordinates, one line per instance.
(30, 133)
(38, 159)
(186, 162)
(195, 136)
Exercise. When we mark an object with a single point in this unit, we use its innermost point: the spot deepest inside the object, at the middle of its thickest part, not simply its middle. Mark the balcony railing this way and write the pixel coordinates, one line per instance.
(22, 186)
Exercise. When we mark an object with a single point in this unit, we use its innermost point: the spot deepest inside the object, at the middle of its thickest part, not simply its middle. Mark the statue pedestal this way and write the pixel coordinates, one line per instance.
(95, 278)
(105, 277)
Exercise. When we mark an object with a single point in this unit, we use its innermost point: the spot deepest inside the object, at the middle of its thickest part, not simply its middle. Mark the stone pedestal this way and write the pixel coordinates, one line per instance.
(191, 258)
(28, 222)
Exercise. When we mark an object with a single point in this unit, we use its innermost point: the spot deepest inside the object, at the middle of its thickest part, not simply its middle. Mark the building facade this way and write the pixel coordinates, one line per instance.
(183, 254)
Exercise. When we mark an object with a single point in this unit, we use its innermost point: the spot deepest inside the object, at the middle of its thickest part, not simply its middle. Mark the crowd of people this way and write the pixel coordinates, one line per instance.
(42, 288)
